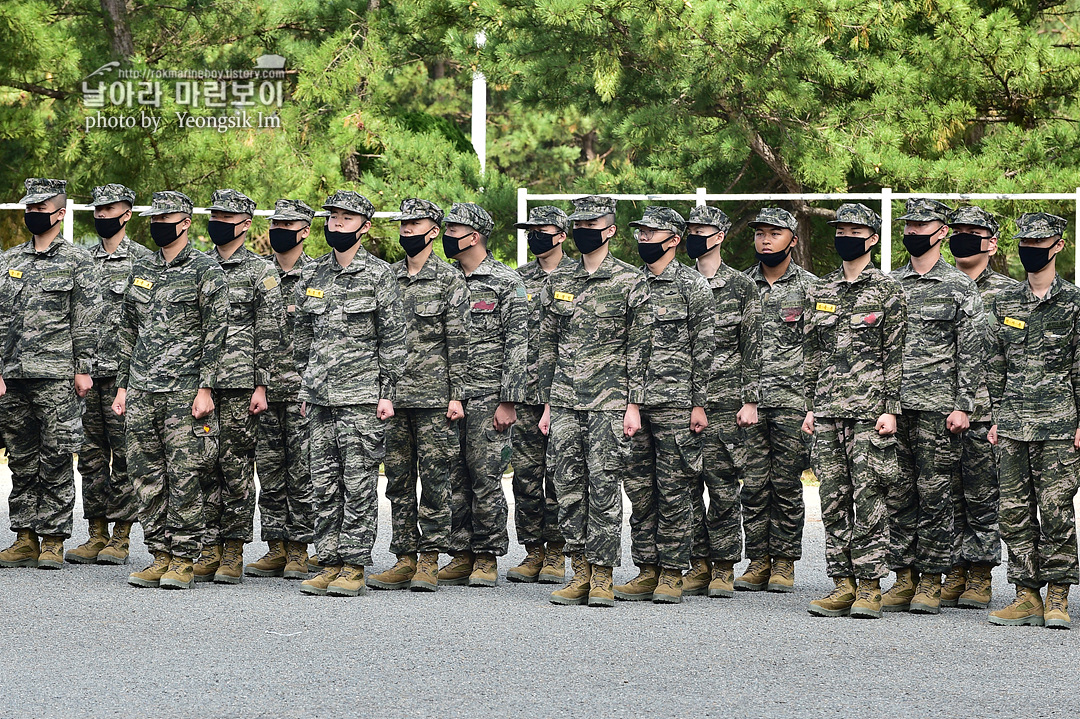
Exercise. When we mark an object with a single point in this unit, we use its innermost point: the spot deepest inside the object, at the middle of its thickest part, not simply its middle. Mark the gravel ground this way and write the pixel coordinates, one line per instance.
(82, 643)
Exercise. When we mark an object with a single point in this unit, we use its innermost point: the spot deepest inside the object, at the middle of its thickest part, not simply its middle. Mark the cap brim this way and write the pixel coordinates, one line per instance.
(230, 210)
(1034, 236)
(322, 214)
(587, 216)
(920, 217)
(100, 203)
(405, 217)
(34, 199)
(755, 224)
(288, 218)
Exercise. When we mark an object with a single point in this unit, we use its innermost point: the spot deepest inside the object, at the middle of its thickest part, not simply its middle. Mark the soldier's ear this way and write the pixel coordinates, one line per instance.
(304, 232)
(873, 239)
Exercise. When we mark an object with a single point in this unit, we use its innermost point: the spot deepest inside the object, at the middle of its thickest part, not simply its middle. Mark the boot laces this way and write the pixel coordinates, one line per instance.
(955, 580)
(1056, 598)
(784, 568)
(293, 553)
(668, 579)
(864, 593)
(232, 555)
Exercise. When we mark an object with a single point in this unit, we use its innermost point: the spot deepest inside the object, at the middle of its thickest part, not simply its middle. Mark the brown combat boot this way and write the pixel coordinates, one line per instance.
(554, 569)
(23, 552)
(723, 580)
(151, 576)
(271, 564)
(668, 587)
(867, 600)
(899, 596)
(457, 571)
(782, 575)
(1026, 609)
(836, 603)
(88, 551)
(296, 564)
(426, 578)
(696, 580)
(208, 562)
(231, 570)
(313, 564)
(601, 591)
(119, 546)
(927, 599)
(641, 587)
(577, 589)
(756, 576)
(396, 577)
(1056, 611)
(485, 571)
(52, 553)
(319, 583)
(181, 574)
(979, 590)
(954, 586)
(529, 569)
(349, 582)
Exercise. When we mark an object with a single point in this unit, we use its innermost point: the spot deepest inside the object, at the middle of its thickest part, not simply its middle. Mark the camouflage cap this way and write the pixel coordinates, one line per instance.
(592, 207)
(661, 218)
(856, 213)
(1037, 225)
(974, 216)
(168, 201)
(290, 210)
(545, 215)
(706, 215)
(351, 202)
(232, 201)
(471, 214)
(414, 208)
(923, 210)
(108, 194)
(776, 217)
(39, 189)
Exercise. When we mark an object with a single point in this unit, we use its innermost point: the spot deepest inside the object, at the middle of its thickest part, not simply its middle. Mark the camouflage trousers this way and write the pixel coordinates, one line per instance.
(772, 493)
(855, 466)
(478, 504)
(1038, 521)
(422, 445)
(976, 539)
(589, 455)
(107, 490)
(920, 498)
(536, 510)
(281, 460)
(665, 463)
(170, 455)
(41, 425)
(347, 445)
(230, 489)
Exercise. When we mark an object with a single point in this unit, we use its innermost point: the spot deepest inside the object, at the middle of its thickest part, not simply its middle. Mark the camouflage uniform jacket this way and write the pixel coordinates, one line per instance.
(855, 345)
(1034, 375)
(990, 283)
(174, 323)
(498, 332)
(944, 347)
(53, 298)
(736, 362)
(783, 382)
(595, 337)
(436, 303)
(285, 382)
(114, 271)
(682, 342)
(349, 338)
(534, 277)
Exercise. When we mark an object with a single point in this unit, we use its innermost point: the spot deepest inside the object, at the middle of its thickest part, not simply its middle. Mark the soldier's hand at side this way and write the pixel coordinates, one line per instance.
(808, 423)
(203, 404)
(258, 401)
(3, 387)
(384, 410)
(886, 424)
(747, 416)
(545, 421)
(83, 383)
(303, 409)
(505, 416)
(454, 410)
(957, 422)
(991, 435)
(631, 421)
(1076, 439)
(698, 420)
(119, 405)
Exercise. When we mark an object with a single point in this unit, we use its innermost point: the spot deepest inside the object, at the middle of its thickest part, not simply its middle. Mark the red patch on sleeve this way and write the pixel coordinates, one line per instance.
(870, 318)
(483, 306)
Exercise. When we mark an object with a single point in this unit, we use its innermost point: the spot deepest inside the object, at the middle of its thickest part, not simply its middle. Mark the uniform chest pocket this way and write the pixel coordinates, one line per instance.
(790, 331)
(429, 307)
(563, 308)
(118, 287)
(241, 303)
(1057, 343)
(670, 310)
(56, 292)
(141, 297)
(866, 318)
(359, 312)
(484, 306)
(671, 314)
(726, 332)
(938, 312)
(180, 304)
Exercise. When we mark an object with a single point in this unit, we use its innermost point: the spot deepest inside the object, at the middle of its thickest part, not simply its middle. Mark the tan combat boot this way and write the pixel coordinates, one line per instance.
(979, 590)
(349, 582)
(641, 587)
(87, 552)
(836, 603)
(151, 576)
(898, 598)
(756, 576)
(1056, 612)
(529, 569)
(723, 580)
(23, 552)
(955, 584)
(927, 599)
(867, 600)
(296, 564)
(208, 562)
(696, 580)
(231, 570)
(396, 577)
(426, 578)
(52, 553)
(782, 575)
(119, 546)
(668, 587)
(577, 589)
(554, 569)
(271, 564)
(601, 591)
(181, 574)
(457, 571)
(313, 563)
(319, 583)
(485, 571)
(1026, 609)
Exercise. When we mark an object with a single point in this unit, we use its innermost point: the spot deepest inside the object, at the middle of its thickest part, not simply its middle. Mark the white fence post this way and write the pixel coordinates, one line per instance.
(886, 229)
(479, 111)
(1076, 239)
(69, 221)
(700, 201)
(522, 216)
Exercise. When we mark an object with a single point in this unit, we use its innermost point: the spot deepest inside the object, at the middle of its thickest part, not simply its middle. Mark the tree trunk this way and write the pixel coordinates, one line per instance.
(123, 47)
(801, 254)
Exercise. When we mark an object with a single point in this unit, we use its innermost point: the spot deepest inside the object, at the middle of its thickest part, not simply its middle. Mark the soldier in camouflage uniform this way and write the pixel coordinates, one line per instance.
(281, 448)
(496, 381)
(666, 452)
(254, 341)
(422, 438)
(976, 540)
(734, 393)
(108, 493)
(1034, 382)
(595, 340)
(536, 509)
(943, 354)
(350, 344)
(772, 500)
(855, 321)
(172, 338)
(52, 296)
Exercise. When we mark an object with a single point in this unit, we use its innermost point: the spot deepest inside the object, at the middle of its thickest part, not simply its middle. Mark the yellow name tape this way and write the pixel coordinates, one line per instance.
(311, 292)
(1018, 324)
(826, 307)
(17, 274)
(140, 282)
(564, 296)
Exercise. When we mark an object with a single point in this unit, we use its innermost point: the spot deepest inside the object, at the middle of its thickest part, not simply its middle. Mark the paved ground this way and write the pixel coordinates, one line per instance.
(81, 643)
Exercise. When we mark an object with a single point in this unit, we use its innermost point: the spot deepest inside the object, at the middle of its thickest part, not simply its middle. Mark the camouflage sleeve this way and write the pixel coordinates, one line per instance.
(214, 314)
(750, 345)
(125, 340)
(391, 334)
(995, 368)
(638, 340)
(548, 343)
(303, 324)
(457, 334)
(894, 331)
(515, 323)
(811, 351)
(970, 367)
(5, 310)
(702, 327)
(269, 324)
(85, 313)
(1074, 370)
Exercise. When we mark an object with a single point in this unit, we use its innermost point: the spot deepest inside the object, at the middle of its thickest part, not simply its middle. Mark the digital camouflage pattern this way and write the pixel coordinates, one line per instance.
(478, 504)
(775, 217)
(1036, 225)
(534, 277)
(925, 210)
(39, 189)
(416, 209)
(166, 202)
(232, 201)
(110, 193)
(256, 321)
(229, 490)
(351, 202)
(661, 218)
(107, 490)
(290, 211)
(855, 213)
(976, 217)
(284, 384)
(592, 207)
(707, 215)
(114, 271)
(472, 215)
(545, 215)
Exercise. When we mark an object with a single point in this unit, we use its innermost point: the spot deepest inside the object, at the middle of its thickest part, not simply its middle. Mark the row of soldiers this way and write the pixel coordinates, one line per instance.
(667, 382)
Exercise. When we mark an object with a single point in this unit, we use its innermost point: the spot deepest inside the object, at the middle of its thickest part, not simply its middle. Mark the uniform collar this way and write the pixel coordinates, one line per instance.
(358, 264)
(51, 250)
(605, 270)
(428, 271)
(1055, 287)
(758, 276)
(938, 272)
(302, 260)
(122, 250)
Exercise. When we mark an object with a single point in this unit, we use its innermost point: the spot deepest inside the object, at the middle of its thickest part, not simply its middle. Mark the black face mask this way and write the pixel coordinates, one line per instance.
(164, 233)
(651, 251)
(221, 232)
(540, 242)
(414, 244)
(38, 222)
(283, 239)
(698, 245)
(452, 245)
(918, 245)
(107, 227)
(965, 244)
(850, 248)
(1034, 258)
(772, 259)
(588, 240)
(340, 241)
